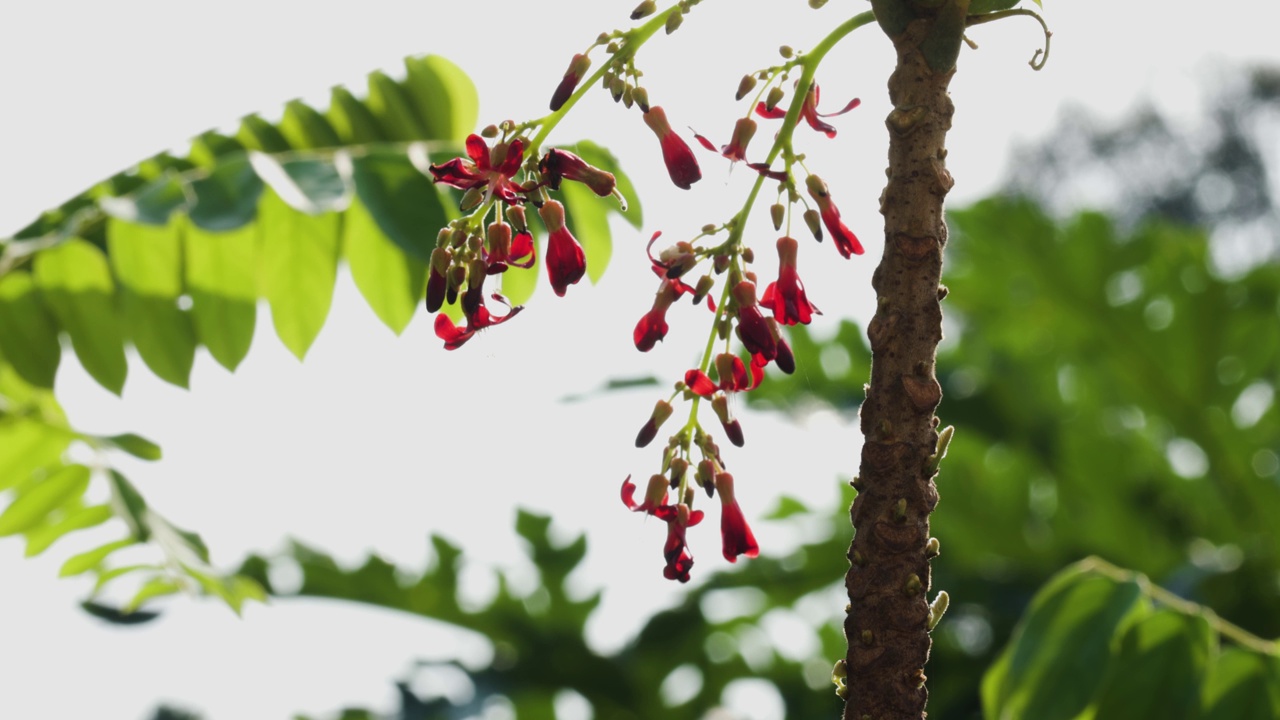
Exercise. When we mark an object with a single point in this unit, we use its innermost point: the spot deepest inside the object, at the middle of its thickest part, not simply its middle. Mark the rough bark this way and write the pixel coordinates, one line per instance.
(888, 579)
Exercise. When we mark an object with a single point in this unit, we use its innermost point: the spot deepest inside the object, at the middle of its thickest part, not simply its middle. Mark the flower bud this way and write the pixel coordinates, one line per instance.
(661, 411)
(627, 95)
(678, 468)
(673, 21)
(470, 199)
(457, 278)
(720, 263)
(442, 237)
(786, 51)
(489, 131)
(706, 472)
(655, 493)
(515, 216)
(437, 284)
(749, 256)
(746, 85)
(641, 98)
(773, 98)
(777, 213)
(578, 67)
(817, 187)
(644, 10)
(703, 288)
(732, 429)
(785, 360)
(814, 223)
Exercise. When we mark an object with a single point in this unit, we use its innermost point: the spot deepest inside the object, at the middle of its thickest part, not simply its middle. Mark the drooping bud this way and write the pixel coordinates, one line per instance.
(777, 213)
(703, 288)
(644, 10)
(473, 298)
(706, 473)
(732, 428)
(673, 21)
(436, 281)
(457, 278)
(515, 216)
(786, 361)
(661, 411)
(786, 52)
(489, 131)
(471, 198)
(812, 221)
(679, 466)
(746, 85)
(641, 98)
(578, 67)
(773, 98)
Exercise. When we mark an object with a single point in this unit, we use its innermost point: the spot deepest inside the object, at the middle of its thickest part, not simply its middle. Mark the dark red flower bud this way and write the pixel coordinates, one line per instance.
(660, 413)
(577, 69)
(735, 535)
(436, 282)
(562, 164)
(785, 361)
(732, 429)
(812, 222)
(566, 263)
(681, 165)
(752, 328)
(644, 10)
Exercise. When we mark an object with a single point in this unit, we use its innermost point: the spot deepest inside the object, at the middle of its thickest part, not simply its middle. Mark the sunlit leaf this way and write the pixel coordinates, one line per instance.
(41, 538)
(76, 283)
(221, 277)
(39, 499)
(86, 561)
(28, 334)
(443, 96)
(299, 269)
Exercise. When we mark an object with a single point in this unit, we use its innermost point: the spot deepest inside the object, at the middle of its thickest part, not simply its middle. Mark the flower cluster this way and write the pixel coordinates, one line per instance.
(691, 458)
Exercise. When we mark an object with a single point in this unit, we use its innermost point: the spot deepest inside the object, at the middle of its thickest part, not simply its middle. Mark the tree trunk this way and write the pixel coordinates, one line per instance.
(887, 626)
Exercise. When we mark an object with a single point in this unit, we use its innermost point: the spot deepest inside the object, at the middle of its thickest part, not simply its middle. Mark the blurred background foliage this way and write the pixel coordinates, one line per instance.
(1111, 377)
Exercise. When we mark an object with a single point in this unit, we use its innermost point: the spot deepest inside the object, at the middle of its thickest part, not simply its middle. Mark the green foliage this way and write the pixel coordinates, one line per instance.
(176, 252)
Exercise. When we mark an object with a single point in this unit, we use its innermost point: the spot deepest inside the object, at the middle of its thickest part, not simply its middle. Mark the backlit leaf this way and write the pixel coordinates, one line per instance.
(221, 275)
(28, 334)
(443, 95)
(76, 283)
(299, 269)
(39, 499)
(90, 559)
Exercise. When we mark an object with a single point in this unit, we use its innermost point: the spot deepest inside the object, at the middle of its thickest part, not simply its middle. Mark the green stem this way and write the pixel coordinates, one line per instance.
(1225, 628)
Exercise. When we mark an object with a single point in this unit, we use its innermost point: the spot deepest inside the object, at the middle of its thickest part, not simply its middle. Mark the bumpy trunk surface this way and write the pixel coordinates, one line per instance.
(887, 625)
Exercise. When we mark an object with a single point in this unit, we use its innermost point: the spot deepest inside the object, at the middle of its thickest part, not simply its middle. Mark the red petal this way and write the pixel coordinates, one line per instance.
(699, 383)
(682, 166)
(763, 169)
(478, 151)
(852, 104)
(763, 111)
(705, 142)
(735, 535)
(651, 328)
(566, 262)
(452, 335)
(515, 155)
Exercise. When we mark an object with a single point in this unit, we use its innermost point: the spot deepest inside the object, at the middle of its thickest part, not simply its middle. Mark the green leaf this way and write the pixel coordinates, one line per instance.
(353, 122)
(310, 184)
(76, 283)
(258, 134)
(234, 590)
(151, 204)
(599, 156)
(587, 218)
(147, 260)
(1061, 652)
(304, 127)
(445, 98)
(28, 334)
(392, 282)
(1159, 668)
(117, 616)
(26, 446)
(155, 587)
(221, 275)
(129, 505)
(1241, 686)
(41, 538)
(110, 574)
(405, 204)
(135, 445)
(33, 504)
(226, 198)
(299, 269)
(390, 104)
(787, 507)
(210, 147)
(90, 559)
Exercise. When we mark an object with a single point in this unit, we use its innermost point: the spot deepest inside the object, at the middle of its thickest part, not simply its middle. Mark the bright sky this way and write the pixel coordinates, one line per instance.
(377, 441)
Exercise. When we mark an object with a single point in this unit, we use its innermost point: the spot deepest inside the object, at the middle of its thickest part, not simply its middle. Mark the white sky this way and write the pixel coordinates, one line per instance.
(377, 441)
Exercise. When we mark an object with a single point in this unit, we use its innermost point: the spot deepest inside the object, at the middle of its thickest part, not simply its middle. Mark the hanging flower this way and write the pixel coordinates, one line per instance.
(735, 535)
(809, 111)
(786, 297)
(558, 165)
(846, 242)
(655, 494)
(503, 250)
(487, 171)
(676, 549)
(732, 373)
(437, 283)
(754, 332)
(681, 165)
(479, 319)
(566, 263)
(653, 324)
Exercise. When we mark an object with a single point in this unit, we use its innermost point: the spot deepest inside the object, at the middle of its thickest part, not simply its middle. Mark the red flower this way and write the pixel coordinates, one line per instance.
(477, 320)
(786, 297)
(653, 324)
(566, 263)
(753, 330)
(846, 242)
(681, 165)
(489, 169)
(732, 373)
(743, 131)
(577, 68)
(503, 250)
(735, 535)
(655, 495)
(676, 549)
(558, 165)
(809, 111)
